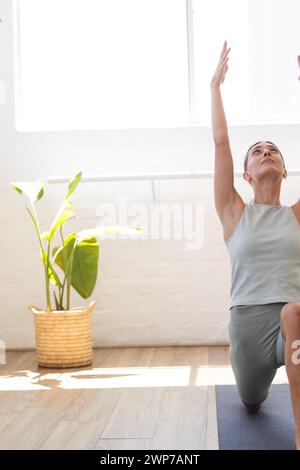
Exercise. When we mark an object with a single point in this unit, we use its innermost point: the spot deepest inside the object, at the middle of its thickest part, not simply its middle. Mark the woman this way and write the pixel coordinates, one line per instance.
(263, 241)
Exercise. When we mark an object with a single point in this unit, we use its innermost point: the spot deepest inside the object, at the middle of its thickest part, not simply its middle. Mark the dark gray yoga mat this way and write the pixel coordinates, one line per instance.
(271, 428)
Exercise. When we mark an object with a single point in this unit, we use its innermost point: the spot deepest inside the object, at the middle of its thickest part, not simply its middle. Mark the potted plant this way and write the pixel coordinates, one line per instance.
(63, 334)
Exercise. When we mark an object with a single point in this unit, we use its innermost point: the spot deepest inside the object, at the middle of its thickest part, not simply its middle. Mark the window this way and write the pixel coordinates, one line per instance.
(261, 84)
(100, 64)
(106, 64)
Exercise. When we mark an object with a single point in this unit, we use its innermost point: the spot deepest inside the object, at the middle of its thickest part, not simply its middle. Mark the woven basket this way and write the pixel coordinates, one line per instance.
(63, 338)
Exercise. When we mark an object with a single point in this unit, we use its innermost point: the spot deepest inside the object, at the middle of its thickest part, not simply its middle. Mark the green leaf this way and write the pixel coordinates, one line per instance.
(34, 190)
(72, 185)
(65, 213)
(66, 210)
(55, 252)
(63, 254)
(84, 268)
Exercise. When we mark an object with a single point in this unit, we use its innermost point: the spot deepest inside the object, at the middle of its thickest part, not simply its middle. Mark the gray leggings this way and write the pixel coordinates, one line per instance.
(256, 348)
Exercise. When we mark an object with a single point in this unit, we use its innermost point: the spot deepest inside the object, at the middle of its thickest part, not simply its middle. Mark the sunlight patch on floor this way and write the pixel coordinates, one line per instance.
(25, 380)
(223, 375)
(126, 377)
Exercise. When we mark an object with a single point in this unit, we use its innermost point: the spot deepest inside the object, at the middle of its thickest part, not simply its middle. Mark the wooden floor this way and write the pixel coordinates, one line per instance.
(130, 398)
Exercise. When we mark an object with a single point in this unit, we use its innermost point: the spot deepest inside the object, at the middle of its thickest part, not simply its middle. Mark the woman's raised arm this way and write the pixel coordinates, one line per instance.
(224, 190)
(219, 125)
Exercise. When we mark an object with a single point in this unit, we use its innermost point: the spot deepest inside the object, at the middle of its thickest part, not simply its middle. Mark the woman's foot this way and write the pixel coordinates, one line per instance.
(253, 408)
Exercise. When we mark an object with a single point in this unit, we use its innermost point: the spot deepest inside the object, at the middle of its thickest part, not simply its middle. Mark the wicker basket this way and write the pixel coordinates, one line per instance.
(63, 338)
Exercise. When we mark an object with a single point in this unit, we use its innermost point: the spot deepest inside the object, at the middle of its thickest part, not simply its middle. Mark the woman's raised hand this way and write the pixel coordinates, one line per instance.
(222, 67)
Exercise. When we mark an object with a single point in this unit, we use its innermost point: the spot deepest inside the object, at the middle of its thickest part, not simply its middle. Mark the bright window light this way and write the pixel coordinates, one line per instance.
(261, 84)
(100, 64)
(106, 64)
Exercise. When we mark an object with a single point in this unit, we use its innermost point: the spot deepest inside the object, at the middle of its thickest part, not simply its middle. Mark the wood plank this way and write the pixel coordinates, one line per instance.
(135, 414)
(6, 419)
(31, 428)
(123, 444)
(182, 419)
(91, 406)
(72, 435)
(18, 360)
(15, 401)
(212, 439)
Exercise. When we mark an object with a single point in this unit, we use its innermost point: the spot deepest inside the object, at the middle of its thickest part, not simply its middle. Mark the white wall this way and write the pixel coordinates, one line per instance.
(149, 292)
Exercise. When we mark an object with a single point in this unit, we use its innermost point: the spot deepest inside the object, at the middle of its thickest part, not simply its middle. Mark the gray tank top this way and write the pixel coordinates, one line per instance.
(264, 252)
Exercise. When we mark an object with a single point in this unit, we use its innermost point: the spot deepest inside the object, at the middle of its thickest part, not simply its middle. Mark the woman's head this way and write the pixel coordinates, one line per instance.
(264, 158)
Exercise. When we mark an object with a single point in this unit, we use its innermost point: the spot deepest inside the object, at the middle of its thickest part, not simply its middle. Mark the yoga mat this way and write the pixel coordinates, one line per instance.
(271, 428)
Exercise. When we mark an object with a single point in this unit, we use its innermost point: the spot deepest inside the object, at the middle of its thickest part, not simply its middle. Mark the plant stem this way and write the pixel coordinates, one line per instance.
(68, 295)
(70, 277)
(48, 279)
(61, 293)
(69, 288)
(36, 225)
(63, 289)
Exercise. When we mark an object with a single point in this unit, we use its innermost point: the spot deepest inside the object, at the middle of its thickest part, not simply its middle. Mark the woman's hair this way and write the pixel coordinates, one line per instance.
(250, 148)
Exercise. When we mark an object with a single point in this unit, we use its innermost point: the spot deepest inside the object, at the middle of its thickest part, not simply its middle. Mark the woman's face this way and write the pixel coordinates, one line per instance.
(265, 151)
(264, 158)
